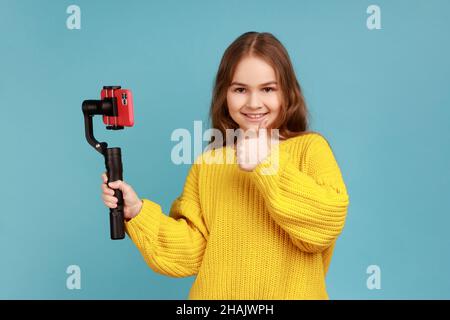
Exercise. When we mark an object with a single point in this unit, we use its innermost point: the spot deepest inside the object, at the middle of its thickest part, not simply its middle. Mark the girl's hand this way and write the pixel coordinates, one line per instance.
(132, 203)
(252, 149)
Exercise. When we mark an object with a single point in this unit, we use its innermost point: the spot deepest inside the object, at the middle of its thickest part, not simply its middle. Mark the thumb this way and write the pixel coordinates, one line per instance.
(118, 184)
(263, 125)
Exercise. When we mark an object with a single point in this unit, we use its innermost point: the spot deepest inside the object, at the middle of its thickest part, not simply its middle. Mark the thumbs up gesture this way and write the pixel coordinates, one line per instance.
(254, 147)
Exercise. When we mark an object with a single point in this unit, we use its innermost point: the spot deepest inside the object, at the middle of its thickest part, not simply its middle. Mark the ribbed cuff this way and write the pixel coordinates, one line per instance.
(146, 222)
(267, 173)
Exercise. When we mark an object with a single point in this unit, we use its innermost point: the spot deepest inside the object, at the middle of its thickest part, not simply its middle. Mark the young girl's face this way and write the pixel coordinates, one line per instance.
(254, 94)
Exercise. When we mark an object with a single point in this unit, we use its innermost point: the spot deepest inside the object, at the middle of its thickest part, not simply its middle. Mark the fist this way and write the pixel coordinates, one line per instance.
(254, 147)
(132, 203)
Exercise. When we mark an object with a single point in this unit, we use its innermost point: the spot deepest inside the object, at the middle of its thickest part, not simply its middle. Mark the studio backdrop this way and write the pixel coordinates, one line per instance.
(375, 77)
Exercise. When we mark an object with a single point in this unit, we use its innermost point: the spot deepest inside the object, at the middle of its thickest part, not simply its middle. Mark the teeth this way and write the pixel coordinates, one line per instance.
(255, 116)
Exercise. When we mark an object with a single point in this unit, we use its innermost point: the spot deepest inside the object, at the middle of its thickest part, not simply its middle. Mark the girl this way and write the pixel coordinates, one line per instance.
(247, 234)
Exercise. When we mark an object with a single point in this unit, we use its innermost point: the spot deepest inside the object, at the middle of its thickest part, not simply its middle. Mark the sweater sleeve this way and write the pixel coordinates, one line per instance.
(172, 245)
(310, 205)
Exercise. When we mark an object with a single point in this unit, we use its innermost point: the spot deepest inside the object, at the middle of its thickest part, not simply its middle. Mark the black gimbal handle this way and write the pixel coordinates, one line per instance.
(113, 163)
(113, 157)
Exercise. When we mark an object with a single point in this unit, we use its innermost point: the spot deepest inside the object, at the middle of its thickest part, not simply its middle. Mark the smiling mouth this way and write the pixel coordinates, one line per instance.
(254, 116)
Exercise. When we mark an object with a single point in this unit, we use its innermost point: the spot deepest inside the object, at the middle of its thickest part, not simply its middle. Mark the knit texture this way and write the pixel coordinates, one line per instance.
(265, 234)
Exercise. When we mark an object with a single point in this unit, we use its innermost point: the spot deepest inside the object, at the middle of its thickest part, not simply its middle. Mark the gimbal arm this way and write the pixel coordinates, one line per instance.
(90, 108)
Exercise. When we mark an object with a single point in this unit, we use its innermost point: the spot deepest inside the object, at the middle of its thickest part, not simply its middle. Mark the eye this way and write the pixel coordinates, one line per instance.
(239, 90)
(268, 89)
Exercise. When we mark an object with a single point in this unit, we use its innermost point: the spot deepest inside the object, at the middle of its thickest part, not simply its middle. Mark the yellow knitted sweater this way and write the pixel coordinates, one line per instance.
(250, 235)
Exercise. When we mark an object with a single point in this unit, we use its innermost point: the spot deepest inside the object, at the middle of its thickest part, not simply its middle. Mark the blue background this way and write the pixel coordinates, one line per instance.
(381, 97)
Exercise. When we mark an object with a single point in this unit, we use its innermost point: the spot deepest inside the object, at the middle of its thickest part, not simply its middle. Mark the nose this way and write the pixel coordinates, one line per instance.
(253, 101)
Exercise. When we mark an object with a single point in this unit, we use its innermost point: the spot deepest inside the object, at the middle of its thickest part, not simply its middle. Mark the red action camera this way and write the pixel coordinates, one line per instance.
(124, 98)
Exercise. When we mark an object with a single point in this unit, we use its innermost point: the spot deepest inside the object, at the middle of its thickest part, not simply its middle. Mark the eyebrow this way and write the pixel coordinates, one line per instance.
(244, 85)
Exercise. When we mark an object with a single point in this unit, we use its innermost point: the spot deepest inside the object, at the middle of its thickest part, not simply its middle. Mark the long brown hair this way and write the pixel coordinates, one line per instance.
(293, 117)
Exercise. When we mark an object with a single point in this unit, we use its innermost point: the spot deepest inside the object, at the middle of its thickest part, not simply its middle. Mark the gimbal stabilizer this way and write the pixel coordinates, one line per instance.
(113, 159)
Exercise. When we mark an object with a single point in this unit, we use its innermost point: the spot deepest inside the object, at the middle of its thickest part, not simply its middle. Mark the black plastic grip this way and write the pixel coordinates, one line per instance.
(114, 171)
